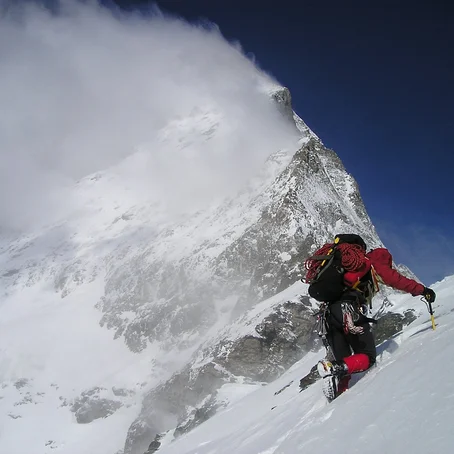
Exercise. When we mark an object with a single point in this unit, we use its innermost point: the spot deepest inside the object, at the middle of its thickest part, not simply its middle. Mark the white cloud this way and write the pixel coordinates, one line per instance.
(84, 89)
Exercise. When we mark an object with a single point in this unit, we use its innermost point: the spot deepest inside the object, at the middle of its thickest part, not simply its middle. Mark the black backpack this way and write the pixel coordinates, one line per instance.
(325, 270)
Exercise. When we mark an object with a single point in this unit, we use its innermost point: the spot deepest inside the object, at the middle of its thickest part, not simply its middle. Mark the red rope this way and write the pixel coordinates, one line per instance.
(313, 265)
(353, 258)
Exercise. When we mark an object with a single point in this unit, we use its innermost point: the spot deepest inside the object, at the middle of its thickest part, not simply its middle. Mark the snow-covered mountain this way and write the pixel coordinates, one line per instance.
(120, 315)
(170, 270)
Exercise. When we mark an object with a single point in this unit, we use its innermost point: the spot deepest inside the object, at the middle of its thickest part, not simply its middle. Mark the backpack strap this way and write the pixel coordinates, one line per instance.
(332, 250)
(375, 279)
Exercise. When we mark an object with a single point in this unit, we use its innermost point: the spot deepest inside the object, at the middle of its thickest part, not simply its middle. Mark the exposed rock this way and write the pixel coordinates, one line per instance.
(141, 435)
(90, 406)
(310, 378)
(27, 399)
(283, 99)
(21, 383)
(10, 273)
(121, 392)
(197, 416)
(391, 323)
(284, 336)
(51, 444)
(154, 445)
(169, 403)
(283, 388)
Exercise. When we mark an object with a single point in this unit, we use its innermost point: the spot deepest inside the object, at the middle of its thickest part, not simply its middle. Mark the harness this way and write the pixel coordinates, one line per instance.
(354, 310)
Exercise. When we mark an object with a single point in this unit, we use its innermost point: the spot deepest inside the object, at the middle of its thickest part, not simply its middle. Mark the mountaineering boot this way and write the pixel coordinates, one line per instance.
(332, 373)
(335, 368)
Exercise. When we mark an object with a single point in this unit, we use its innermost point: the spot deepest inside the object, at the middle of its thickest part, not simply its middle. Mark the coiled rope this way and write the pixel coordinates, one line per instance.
(352, 258)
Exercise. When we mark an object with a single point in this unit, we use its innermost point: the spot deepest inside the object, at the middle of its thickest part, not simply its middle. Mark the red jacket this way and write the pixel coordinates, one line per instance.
(382, 262)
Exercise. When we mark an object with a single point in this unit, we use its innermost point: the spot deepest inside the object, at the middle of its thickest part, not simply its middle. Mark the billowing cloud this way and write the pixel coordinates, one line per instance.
(85, 89)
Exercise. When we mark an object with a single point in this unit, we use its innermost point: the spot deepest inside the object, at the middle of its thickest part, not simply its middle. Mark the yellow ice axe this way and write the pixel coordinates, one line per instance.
(431, 311)
(432, 318)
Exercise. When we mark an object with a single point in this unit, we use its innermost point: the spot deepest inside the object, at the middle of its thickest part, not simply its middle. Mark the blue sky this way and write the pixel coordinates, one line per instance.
(374, 81)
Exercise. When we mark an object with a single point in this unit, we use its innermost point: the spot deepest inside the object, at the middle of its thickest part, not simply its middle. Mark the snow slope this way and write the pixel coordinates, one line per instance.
(403, 404)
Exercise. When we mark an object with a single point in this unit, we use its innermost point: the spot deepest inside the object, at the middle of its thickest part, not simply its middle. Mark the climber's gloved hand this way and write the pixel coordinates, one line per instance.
(429, 295)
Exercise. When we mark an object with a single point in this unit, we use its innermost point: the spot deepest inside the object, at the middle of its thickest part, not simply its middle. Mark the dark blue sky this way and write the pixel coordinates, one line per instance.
(375, 81)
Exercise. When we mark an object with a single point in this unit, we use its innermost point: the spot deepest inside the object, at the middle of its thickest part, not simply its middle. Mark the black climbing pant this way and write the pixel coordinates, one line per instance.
(343, 345)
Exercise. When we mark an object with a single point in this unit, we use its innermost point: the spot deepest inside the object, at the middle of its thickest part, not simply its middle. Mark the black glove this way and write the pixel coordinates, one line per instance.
(429, 295)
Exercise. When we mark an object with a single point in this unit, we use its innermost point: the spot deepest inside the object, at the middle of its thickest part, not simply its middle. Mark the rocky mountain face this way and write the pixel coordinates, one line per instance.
(218, 292)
